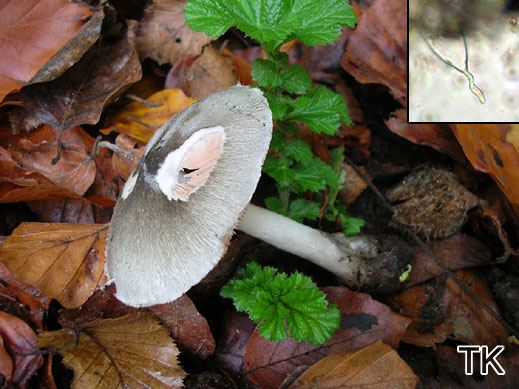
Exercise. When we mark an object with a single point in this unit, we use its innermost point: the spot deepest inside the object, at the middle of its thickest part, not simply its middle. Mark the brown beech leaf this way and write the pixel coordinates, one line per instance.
(30, 173)
(6, 363)
(437, 136)
(363, 321)
(457, 252)
(211, 72)
(376, 51)
(375, 366)
(189, 329)
(233, 340)
(80, 94)
(164, 36)
(441, 309)
(77, 211)
(133, 351)
(21, 300)
(432, 202)
(20, 342)
(494, 149)
(64, 261)
(140, 121)
(33, 32)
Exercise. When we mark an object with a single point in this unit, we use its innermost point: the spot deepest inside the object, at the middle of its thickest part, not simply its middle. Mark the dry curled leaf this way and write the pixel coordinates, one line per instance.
(375, 366)
(189, 329)
(140, 121)
(133, 351)
(437, 136)
(33, 32)
(376, 52)
(363, 321)
(164, 36)
(122, 165)
(80, 94)
(211, 72)
(29, 173)
(494, 149)
(64, 261)
(19, 340)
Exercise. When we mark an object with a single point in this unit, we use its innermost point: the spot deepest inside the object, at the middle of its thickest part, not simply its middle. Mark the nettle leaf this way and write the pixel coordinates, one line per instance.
(300, 209)
(278, 104)
(275, 204)
(265, 73)
(321, 109)
(272, 22)
(283, 305)
(279, 169)
(350, 225)
(295, 79)
(314, 175)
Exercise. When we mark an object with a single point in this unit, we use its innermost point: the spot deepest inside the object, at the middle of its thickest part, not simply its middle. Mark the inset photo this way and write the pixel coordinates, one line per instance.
(463, 61)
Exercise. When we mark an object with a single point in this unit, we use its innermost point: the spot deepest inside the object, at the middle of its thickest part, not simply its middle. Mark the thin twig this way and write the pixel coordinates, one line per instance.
(153, 104)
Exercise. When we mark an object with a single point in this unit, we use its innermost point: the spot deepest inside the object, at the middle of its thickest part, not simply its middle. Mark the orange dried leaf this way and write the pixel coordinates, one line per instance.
(140, 121)
(64, 261)
(27, 172)
(133, 351)
(494, 149)
(375, 366)
(32, 32)
(164, 36)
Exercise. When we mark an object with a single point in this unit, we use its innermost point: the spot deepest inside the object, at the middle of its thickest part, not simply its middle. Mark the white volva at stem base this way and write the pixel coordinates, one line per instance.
(306, 242)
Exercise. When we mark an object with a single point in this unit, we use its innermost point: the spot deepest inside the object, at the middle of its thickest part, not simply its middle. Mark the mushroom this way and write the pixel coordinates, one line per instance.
(178, 209)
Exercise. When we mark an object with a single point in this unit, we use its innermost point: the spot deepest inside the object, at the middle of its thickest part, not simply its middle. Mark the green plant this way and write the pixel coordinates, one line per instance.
(307, 187)
(283, 305)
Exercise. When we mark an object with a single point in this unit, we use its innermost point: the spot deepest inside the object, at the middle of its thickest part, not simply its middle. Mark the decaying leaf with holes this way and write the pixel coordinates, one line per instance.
(432, 203)
(133, 351)
(64, 261)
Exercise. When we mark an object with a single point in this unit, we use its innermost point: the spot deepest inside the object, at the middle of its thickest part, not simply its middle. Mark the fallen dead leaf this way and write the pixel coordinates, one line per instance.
(458, 252)
(375, 366)
(363, 321)
(189, 329)
(105, 189)
(133, 351)
(354, 185)
(28, 157)
(20, 342)
(21, 300)
(211, 72)
(437, 136)
(6, 363)
(236, 332)
(64, 261)
(123, 167)
(81, 93)
(432, 202)
(164, 36)
(494, 149)
(76, 211)
(33, 32)
(176, 77)
(376, 51)
(242, 67)
(140, 121)
(440, 309)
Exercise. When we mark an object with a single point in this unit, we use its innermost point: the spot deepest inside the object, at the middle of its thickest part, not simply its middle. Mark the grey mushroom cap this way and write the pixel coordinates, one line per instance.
(158, 249)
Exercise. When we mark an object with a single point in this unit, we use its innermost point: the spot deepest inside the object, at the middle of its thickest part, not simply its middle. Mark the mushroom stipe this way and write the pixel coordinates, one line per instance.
(178, 209)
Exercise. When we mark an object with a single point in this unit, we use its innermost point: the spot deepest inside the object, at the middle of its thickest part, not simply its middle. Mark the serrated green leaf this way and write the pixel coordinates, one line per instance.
(321, 109)
(275, 204)
(314, 175)
(265, 73)
(278, 142)
(295, 79)
(283, 305)
(300, 209)
(299, 151)
(278, 104)
(271, 22)
(350, 225)
(279, 169)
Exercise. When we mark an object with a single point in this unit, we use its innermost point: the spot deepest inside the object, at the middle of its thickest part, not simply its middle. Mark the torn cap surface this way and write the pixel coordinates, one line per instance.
(158, 249)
